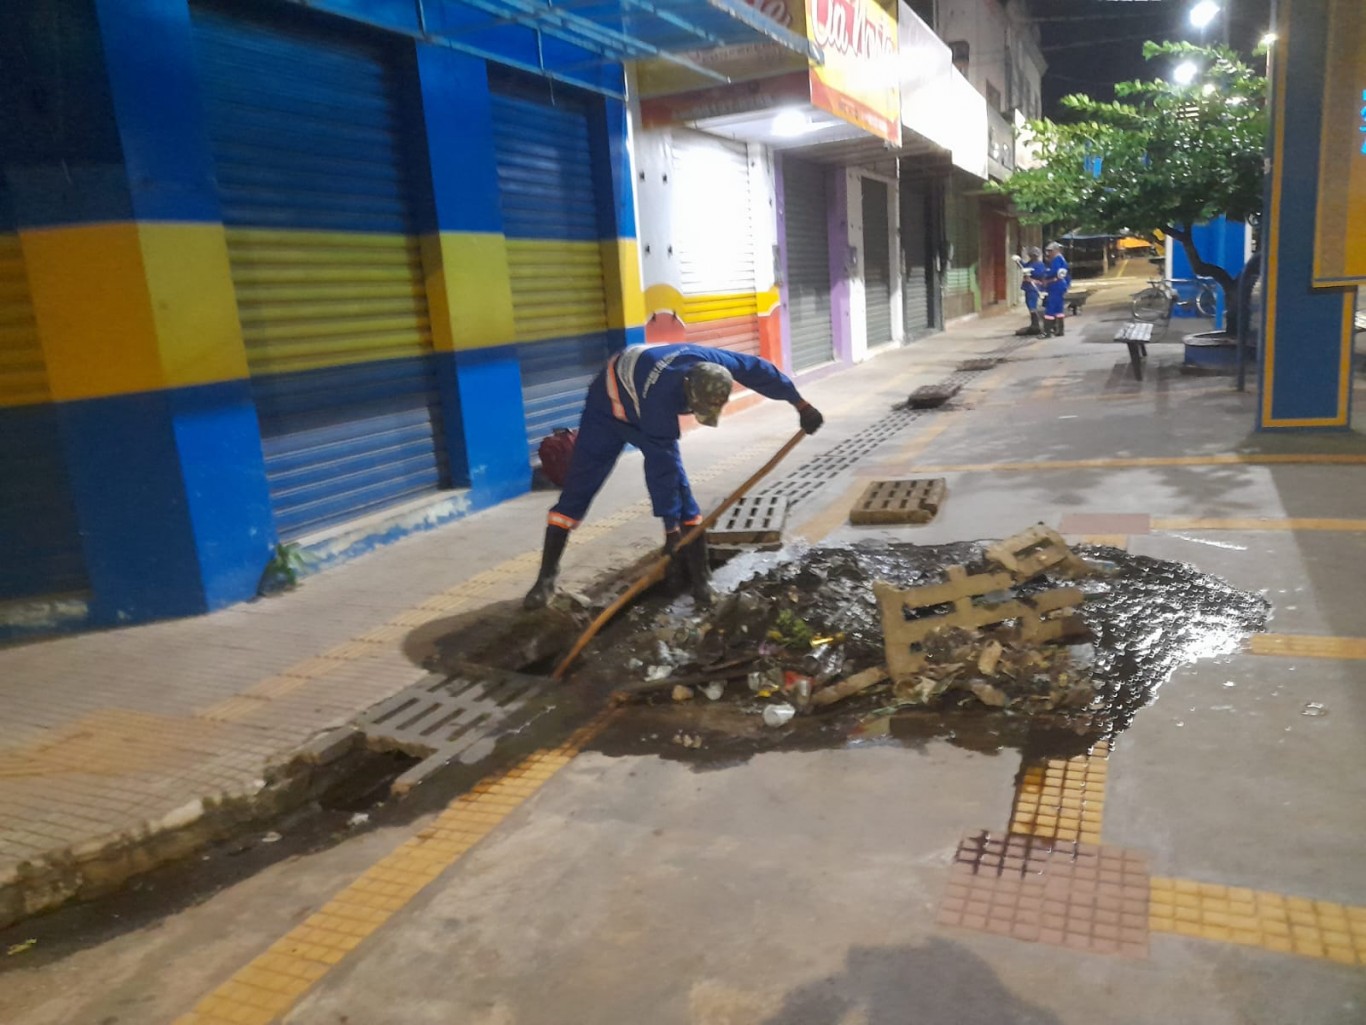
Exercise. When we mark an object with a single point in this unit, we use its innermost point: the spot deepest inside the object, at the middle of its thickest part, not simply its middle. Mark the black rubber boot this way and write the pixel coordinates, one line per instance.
(1060, 326)
(1036, 323)
(699, 572)
(544, 589)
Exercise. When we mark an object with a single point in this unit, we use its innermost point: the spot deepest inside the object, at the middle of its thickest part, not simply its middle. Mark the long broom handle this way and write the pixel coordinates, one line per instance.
(656, 571)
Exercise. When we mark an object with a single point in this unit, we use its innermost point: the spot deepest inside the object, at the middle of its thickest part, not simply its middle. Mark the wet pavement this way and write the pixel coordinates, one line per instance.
(1147, 618)
(797, 875)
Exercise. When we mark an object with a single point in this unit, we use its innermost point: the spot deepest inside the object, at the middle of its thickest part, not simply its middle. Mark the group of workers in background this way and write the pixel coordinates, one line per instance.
(1046, 280)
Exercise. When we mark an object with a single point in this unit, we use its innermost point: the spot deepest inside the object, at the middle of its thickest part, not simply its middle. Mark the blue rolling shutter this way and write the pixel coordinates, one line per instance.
(550, 210)
(39, 539)
(313, 169)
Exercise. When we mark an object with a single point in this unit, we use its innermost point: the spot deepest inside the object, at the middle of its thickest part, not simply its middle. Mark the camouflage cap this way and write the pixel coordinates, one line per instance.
(707, 387)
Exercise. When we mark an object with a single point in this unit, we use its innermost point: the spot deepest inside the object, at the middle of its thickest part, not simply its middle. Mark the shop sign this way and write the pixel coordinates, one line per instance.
(859, 81)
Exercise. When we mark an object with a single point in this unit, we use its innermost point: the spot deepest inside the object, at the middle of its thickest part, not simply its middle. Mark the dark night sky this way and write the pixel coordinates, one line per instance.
(1091, 44)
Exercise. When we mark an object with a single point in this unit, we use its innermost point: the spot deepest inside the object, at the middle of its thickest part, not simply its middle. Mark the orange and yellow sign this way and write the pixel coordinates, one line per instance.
(859, 81)
(1340, 232)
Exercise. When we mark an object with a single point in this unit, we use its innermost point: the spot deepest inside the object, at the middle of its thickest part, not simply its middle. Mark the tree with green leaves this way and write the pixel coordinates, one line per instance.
(1162, 156)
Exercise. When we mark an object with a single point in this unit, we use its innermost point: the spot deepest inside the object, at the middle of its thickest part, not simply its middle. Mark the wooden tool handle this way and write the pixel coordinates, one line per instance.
(656, 571)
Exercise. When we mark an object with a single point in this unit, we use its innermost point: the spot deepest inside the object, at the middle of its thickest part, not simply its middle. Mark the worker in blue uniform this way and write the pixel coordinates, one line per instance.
(1057, 281)
(1034, 271)
(637, 400)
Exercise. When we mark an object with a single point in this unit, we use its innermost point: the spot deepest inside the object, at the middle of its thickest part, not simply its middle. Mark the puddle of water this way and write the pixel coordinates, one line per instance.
(1147, 618)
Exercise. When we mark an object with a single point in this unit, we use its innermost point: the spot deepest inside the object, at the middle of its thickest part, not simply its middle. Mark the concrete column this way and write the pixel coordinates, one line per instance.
(464, 255)
(134, 305)
(1306, 348)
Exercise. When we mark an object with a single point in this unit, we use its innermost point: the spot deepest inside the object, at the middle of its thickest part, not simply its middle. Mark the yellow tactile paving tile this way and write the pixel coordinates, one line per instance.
(1257, 918)
(1062, 799)
(1253, 523)
(270, 984)
(1307, 646)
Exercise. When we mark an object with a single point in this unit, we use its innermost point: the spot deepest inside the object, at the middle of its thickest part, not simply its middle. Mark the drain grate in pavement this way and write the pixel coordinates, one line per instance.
(808, 478)
(756, 521)
(899, 501)
(442, 718)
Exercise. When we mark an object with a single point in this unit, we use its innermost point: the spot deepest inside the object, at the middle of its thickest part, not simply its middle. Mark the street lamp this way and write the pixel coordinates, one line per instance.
(1204, 12)
(1185, 72)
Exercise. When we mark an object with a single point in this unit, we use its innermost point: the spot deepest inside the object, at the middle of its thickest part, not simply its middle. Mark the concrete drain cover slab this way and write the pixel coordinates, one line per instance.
(931, 396)
(753, 522)
(899, 501)
(979, 364)
(442, 718)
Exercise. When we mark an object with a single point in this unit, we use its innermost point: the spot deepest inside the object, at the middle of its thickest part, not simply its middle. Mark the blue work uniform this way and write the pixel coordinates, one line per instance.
(1034, 273)
(637, 400)
(1058, 281)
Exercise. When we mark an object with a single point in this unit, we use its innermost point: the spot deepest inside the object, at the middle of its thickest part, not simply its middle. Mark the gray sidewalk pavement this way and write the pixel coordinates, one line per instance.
(112, 742)
(619, 880)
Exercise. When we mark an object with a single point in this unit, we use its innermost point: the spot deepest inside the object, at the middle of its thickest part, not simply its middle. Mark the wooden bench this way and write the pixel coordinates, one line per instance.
(1136, 336)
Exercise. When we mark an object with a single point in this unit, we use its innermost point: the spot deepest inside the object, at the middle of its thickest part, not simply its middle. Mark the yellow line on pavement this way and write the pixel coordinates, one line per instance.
(1257, 918)
(1307, 646)
(273, 982)
(1255, 523)
(1232, 459)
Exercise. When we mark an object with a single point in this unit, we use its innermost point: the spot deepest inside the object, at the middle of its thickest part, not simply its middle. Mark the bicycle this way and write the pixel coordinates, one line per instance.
(1160, 299)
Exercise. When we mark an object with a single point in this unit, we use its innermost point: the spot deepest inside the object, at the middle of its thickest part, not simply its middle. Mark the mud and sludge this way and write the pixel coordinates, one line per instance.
(808, 617)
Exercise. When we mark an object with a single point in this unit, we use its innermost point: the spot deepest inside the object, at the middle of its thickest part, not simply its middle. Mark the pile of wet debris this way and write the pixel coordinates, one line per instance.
(1026, 628)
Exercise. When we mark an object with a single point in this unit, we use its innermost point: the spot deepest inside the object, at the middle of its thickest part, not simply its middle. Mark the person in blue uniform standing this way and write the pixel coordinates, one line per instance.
(1056, 282)
(637, 399)
(1034, 271)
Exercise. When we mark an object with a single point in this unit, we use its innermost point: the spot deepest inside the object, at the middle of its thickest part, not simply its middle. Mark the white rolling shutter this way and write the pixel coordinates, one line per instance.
(714, 240)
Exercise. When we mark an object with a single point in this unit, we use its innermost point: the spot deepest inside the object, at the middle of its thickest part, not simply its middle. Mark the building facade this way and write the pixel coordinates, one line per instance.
(320, 274)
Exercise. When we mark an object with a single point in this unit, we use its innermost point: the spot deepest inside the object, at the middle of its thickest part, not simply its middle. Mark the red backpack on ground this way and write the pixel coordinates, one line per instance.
(555, 453)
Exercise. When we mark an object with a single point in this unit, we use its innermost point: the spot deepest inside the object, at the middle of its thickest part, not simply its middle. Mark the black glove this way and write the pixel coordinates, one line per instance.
(810, 417)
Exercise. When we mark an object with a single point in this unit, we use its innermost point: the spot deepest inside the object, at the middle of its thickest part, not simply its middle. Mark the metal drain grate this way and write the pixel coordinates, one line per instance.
(754, 521)
(811, 476)
(899, 501)
(442, 718)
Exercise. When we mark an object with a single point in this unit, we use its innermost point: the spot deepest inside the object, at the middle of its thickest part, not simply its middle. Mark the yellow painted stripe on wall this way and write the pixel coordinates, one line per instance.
(23, 372)
(558, 288)
(698, 309)
(1307, 646)
(468, 292)
(1255, 523)
(314, 299)
(621, 271)
(124, 308)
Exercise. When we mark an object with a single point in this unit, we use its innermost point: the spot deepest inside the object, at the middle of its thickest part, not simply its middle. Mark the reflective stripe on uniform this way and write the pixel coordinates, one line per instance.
(560, 520)
(614, 391)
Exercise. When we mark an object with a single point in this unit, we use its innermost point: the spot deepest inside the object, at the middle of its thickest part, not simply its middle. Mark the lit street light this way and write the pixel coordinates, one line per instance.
(1185, 72)
(1268, 39)
(1204, 12)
